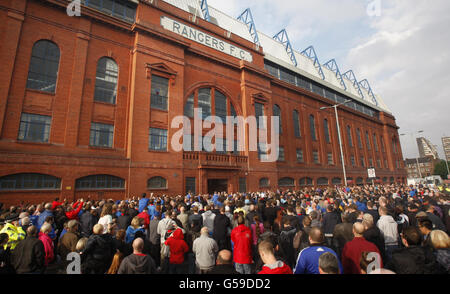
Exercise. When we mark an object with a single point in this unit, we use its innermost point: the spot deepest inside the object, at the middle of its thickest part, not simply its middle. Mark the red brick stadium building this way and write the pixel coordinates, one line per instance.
(86, 103)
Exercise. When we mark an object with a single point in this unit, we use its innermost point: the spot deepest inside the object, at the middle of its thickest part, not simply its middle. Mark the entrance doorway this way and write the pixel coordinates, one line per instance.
(217, 185)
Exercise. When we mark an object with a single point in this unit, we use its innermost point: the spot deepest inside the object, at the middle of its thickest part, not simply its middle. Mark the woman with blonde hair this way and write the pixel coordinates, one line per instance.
(117, 260)
(441, 244)
(136, 225)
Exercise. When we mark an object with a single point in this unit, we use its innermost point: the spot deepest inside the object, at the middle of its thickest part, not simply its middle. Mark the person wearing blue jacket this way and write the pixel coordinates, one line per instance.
(46, 213)
(308, 258)
(136, 225)
(143, 202)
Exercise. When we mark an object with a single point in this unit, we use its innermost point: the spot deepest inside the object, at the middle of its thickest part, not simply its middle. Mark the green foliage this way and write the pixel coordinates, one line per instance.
(441, 169)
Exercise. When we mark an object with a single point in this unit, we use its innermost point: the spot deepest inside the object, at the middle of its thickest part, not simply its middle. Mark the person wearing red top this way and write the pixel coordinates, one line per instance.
(178, 247)
(352, 252)
(146, 217)
(271, 266)
(72, 211)
(241, 236)
(56, 203)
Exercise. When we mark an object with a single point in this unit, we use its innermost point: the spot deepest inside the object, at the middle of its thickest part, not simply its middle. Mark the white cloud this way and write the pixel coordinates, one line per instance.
(407, 62)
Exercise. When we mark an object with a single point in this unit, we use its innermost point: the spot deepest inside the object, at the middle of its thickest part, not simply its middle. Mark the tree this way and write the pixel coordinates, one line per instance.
(441, 169)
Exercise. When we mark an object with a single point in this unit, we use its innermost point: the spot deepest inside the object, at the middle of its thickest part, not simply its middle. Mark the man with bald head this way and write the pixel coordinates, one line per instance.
(137, 263)
(308, 258)
(224, 264)
(352, 252)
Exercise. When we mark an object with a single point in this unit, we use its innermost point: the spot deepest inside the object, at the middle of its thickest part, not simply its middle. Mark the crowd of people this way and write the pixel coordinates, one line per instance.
(341, 230)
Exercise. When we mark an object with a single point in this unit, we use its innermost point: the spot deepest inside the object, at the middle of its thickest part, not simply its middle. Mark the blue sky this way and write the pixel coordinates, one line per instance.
(404, 51)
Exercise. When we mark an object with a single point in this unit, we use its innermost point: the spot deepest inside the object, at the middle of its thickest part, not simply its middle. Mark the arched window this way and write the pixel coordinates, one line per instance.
(322, 181)
(264, 182)
(29, 181)
(336, 181)
(286, 182)
(326, 129)
(385, 179)
(296, 119)
(205, 99)
(44, 64)
(106, 81)
(157, 183)
(306, 182)
(391, 180)
(312, 126)
(100, 182)
(277, 112)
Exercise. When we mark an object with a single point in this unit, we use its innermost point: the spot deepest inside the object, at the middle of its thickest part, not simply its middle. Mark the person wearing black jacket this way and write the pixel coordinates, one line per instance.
(5, 256)
(222, 224)
(414, 259)
(124, 219)
(373, 234)
(286, 242)
(29, 255)
(373, 211)
(87, 222)
(330, 220)
(99, 252)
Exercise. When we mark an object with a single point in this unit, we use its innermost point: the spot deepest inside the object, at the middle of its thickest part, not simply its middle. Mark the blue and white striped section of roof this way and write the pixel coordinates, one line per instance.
(305, 63)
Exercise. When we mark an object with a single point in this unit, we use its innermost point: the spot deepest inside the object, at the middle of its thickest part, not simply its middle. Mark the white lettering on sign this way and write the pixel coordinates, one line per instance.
(205, 39)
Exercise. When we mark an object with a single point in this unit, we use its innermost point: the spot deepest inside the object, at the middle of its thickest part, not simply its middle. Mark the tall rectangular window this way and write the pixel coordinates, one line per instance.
(158, 139)
(281, 154)
(316, 157)
(296, 120)
(190, 185)
(34, 128)
(242, 185)
(189, 107)
(358, 135)
(326, 131)
(259, 112)
(159, 93)
(352, 159)
(312, 126)
(375, 143)
(349, 135)
(363, 161)
(330, 158)
(204, 102)
(221, 106)
(102, 135)
(369, 147)
(300, 156)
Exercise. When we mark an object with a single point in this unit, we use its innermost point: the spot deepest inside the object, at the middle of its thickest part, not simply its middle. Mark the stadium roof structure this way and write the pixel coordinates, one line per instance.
(279, 50)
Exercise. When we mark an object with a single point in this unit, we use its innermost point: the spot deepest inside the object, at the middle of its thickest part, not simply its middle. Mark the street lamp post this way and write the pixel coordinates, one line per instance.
(339, 136)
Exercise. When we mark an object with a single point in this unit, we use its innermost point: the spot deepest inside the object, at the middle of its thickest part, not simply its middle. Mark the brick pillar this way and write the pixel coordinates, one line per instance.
(9, 48)
(77, 83)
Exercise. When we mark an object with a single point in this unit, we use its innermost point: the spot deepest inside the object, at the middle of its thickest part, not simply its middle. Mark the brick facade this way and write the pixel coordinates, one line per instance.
(140, 50)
